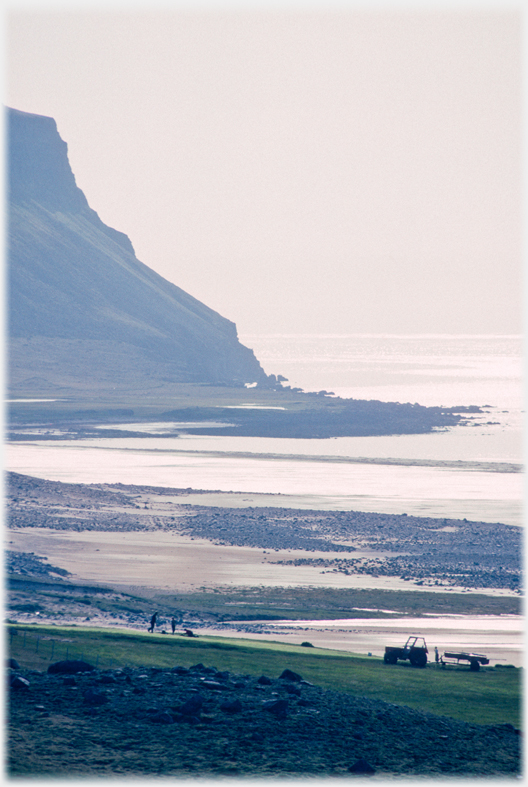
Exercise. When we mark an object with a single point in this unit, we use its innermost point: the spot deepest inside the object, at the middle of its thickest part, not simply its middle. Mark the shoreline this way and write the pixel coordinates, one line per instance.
(448, 464)
(361, 636)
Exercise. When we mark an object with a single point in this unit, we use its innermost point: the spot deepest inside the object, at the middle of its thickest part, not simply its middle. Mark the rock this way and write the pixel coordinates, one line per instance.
(213, 684)
(69, 680)
(293, 689)
(180, 670)
(222, 675)
(19, 683)
(192, 706)
(362, 766)
(306, 645)
(234, 706)
(289, 675)
(279, 708)
(93, 697)
(107, 679)
(163, 717)
(264, 680)
(12, 664)
(71, 666)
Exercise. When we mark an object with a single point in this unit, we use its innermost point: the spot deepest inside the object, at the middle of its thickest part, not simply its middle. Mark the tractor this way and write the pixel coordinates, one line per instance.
(414, 650)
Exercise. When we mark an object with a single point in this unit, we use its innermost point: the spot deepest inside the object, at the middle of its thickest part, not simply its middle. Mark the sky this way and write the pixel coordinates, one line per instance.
(301, 168)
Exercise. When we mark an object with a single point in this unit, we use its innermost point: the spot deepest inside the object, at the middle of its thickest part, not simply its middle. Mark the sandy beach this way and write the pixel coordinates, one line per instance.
(153, 562)
(153, 542)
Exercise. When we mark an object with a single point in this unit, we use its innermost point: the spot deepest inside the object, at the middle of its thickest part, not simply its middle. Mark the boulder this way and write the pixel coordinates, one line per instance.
(192, 706)
(291, 689)
(362, 766)
(289, 675)
(213, 684)
(279, 708)
(70, 667)
(231, 706)
(19, 683)
(12, 664)
(93, 697)
(107, 679)
(180, 670)
(163, 717)
(264, 680)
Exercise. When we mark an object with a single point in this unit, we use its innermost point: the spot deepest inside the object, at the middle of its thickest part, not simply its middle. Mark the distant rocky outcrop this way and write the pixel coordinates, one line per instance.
(82, 309)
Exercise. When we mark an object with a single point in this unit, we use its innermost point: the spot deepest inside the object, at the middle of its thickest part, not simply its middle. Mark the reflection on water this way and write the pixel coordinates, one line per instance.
(488, 624)
(165, 427)
(498, 638)
(421, 491)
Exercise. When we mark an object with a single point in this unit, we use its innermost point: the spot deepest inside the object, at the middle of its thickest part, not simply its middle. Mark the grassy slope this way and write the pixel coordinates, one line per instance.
(323, 603)
(244, 604)
(491, 696)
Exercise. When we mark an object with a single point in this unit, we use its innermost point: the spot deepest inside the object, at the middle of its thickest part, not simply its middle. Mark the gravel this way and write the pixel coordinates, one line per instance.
(200, 722)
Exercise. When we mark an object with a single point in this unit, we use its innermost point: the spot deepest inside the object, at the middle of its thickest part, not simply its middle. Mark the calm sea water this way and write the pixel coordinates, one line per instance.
(430, 370)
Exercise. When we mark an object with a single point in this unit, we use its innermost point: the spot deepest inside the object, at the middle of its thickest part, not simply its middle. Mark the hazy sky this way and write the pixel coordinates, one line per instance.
(299, 171)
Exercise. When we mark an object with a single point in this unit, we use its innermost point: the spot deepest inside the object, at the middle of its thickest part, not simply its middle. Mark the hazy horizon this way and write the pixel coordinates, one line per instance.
(302, 172)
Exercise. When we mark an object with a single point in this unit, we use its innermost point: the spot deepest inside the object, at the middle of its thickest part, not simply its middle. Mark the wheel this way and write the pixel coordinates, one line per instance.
(418, 658)
(390, 658)
(474, 665)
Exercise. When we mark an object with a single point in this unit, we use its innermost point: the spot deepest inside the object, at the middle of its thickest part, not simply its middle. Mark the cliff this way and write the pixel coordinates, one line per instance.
(82, 309)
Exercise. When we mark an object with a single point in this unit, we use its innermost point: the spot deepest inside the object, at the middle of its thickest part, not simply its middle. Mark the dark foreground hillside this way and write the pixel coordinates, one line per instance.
(201, 722)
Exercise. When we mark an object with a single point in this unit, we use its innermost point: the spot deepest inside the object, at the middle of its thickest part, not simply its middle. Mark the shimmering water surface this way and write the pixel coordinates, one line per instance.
(447, 371)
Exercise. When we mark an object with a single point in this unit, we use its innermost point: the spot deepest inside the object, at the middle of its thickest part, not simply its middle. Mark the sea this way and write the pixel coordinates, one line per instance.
(465, 472)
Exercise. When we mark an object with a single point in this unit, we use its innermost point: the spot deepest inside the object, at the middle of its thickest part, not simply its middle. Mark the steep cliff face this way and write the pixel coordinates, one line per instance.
(81, 306)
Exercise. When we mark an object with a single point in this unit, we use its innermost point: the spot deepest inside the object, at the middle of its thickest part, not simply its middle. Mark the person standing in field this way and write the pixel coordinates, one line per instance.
(173, 625)
(152, 622)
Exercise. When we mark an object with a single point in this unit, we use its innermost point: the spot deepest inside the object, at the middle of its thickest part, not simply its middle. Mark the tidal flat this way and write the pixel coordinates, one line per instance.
(106, 554)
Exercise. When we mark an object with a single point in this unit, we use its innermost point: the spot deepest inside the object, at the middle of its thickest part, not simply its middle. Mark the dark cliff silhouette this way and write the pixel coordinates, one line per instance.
(82, 309)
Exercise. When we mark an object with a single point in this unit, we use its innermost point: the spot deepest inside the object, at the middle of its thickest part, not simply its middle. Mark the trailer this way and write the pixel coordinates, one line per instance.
(455, 657)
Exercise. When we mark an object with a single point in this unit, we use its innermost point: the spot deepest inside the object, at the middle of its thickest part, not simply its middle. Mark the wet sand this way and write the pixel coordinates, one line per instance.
(169, 561)
(500, 639)
(146, 562)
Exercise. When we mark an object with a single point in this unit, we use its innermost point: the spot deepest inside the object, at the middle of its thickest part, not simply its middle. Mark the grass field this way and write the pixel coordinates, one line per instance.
(325, 603)
(490, 696)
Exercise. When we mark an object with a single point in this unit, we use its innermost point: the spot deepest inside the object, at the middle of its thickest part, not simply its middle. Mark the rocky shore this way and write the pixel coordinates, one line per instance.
(420, 550)
(201, 722)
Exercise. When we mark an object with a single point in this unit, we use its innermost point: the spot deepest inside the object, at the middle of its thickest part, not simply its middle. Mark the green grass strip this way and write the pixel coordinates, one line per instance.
(490, 696)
